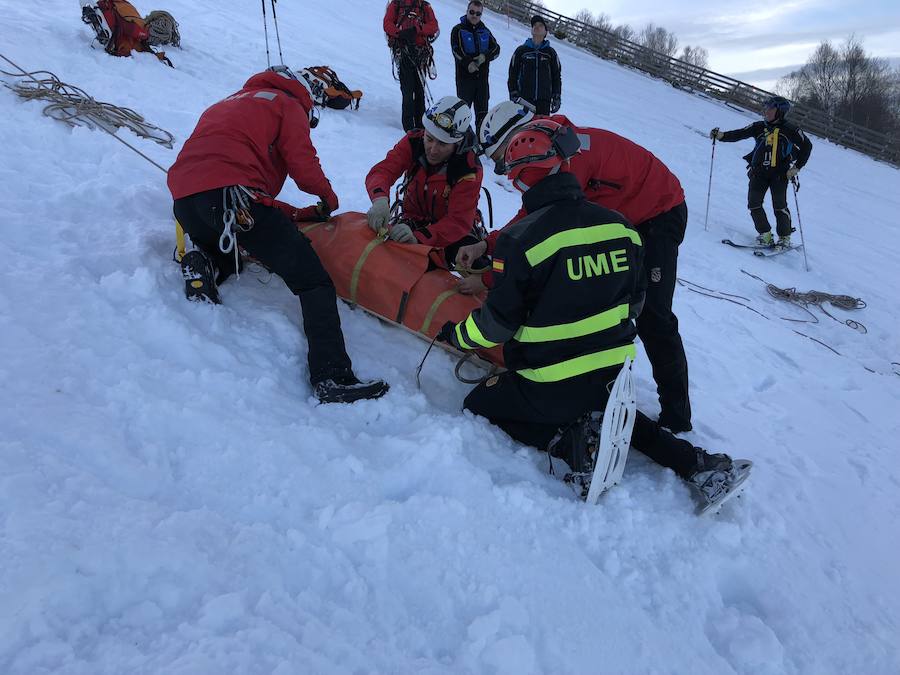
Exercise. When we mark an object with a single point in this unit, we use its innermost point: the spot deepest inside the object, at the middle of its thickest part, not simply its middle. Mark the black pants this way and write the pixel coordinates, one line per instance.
(532, 413)
(476, 92)
(277, 244)
(412, 90)
(760, 182)
(657, 325)
(541, 106)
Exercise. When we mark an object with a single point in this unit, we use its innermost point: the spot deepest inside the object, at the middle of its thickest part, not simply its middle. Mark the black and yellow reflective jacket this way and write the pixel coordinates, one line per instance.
(568, 286)
(777, 145)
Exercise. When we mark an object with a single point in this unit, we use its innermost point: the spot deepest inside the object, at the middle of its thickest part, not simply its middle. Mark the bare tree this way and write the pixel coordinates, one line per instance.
(848, 83)
(658, 39)
(624, 32)
(696, 56)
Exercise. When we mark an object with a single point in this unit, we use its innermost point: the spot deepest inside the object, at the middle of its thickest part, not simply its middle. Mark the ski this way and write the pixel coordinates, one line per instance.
(741, 471)
(759, 247)
(776, 251)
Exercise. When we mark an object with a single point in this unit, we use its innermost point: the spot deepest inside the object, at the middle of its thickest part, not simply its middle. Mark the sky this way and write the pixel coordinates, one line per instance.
(757, 41)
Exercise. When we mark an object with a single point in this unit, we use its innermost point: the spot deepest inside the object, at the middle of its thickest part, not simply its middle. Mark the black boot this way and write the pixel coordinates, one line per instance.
(577, 445)
(199, 275)
(347, 388)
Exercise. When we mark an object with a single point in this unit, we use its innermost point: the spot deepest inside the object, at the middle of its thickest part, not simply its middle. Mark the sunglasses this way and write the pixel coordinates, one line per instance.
(474, 13)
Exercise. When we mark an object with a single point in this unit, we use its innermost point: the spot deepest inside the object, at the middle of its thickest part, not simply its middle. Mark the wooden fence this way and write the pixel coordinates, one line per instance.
(683, 75)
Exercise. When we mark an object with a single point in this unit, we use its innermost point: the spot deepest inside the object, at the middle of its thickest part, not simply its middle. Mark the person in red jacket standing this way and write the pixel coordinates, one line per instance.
(621, 175)
(441, 186)
(411, 27)
(223, 183)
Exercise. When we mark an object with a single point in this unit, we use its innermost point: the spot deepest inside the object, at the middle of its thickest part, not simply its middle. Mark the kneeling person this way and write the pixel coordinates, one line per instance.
(223, 184)
(441, 182)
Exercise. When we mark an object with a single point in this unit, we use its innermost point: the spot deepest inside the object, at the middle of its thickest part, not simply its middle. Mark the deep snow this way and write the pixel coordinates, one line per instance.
(172, 500)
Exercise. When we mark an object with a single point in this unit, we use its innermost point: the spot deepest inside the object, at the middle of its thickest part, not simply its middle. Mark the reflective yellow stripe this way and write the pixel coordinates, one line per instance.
(564, 331)
(475, 334)
(580, 365)
(461, 339)
(583, 235)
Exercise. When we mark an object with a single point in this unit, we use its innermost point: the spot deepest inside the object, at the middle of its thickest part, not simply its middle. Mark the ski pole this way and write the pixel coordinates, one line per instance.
(796, 183)
(709, 189)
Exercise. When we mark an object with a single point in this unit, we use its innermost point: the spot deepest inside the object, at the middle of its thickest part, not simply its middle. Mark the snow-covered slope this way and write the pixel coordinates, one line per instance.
(172, 501)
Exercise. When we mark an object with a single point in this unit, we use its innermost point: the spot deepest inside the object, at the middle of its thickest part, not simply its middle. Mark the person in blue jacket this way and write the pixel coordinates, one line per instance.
(535, 76)
(474, 47)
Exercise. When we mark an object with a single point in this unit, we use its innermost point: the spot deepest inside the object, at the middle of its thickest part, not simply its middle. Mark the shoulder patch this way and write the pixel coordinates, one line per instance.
(268, 95)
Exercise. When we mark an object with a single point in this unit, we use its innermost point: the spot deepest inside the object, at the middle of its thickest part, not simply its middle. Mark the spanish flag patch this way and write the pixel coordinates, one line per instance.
(497, 265)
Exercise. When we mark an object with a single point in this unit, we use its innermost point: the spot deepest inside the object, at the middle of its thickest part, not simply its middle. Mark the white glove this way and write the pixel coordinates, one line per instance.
(472, 67)
(481, 59)
(792, 172)
(378, 213)
(402, 234)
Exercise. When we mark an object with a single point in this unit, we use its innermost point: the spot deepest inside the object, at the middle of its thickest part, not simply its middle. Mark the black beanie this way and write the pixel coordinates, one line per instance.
(538, 19)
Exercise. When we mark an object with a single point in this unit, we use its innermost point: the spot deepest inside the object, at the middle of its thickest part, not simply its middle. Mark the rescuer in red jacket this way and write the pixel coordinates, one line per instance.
(621, 175)
(410, 26)
(441, 182)
(224, 183)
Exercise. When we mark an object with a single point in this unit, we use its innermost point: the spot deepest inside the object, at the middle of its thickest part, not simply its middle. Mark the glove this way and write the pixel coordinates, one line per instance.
(378, 213)
(402, 234)
(716, 134)
(555, 103)
(472, 67)
(792, 172)
(327, 204)
(481, 59)
(407, 35)
(445, 334)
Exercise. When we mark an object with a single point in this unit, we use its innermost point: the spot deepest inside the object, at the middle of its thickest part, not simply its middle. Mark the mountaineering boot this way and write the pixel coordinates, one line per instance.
(766, 239)
(783, 242)
(577, 445)
(199, 275)
(716, 478)
(347, 388)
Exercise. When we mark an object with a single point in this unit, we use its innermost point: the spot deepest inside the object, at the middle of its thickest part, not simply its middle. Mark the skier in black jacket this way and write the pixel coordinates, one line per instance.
(781, 150)
(568, 285)
(474, 47)
(535, 75)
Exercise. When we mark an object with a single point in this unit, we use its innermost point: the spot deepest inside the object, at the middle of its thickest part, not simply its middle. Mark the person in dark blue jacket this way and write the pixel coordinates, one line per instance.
(474, 47)
(535, 75)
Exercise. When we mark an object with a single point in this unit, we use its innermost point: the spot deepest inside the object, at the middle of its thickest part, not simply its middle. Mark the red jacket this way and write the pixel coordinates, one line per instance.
(620, 175)
(404, 14)
(440, 202)
(255, 138)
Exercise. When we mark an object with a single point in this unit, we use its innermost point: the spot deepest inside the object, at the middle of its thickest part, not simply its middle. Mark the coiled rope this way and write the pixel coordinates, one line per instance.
(164, 138)
(163, 29)
(815, 299)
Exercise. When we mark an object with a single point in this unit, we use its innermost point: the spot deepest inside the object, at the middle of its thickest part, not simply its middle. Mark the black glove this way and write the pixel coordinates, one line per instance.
(407, 36)
(555, 103)
(514, 96)
(446, 332)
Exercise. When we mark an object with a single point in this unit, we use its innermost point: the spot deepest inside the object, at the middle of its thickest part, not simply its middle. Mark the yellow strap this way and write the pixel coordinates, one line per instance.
(310, 228)
(179, 241)
(774, 148)
(357, 269)
(438, 301)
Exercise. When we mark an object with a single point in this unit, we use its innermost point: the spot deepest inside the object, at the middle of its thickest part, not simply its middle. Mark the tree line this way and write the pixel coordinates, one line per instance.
(847, 82)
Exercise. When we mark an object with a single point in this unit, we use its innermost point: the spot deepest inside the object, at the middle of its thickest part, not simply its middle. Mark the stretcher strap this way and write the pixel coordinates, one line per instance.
(310, 228)
(357, 269)
(438, 301)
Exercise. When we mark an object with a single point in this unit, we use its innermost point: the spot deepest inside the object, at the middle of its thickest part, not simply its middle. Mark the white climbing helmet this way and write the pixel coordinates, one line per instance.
(289, 74)
(501, 121)
(448, 120)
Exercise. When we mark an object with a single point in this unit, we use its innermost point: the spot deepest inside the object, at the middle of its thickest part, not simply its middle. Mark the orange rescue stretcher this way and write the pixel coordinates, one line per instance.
(399, 283)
